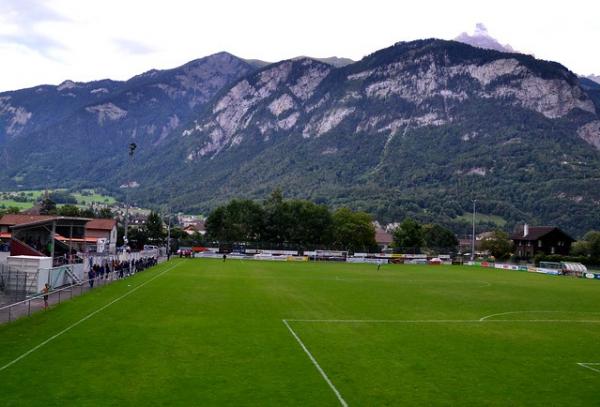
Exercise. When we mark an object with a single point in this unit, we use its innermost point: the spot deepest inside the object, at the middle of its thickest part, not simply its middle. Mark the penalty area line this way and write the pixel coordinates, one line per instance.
(73, 325)
(316, 364)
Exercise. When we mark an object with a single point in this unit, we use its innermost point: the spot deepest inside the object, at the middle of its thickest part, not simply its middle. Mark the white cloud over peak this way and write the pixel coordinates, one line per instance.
(482, 39)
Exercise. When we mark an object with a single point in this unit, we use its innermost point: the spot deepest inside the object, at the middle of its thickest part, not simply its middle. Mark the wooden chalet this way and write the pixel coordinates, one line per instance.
(532, 240)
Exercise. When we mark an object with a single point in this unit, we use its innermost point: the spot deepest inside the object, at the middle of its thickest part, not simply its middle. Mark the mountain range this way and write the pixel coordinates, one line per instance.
(417, 129)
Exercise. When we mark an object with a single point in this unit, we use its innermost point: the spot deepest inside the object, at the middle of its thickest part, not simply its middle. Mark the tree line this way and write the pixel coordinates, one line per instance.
(302, 224)
(291, 223)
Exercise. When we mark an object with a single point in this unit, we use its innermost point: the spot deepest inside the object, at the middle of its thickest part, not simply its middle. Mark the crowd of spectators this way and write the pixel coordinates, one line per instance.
(115, 269)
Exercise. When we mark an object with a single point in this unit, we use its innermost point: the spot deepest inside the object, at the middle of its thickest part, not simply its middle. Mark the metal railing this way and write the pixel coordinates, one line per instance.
(15, 284)
(35, 303)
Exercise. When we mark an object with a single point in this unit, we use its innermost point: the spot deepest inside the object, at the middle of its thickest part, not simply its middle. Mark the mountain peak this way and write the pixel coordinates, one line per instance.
(595, 78)
(334, 61)
(481, 38)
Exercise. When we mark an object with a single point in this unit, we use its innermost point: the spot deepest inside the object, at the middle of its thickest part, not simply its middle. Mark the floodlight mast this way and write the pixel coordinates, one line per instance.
(169, 233)
(473, 233)
(132, 147)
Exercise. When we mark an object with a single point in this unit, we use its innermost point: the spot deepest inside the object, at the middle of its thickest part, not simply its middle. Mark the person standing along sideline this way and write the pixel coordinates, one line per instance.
(45, 291)
(91, 276)
(224, 256)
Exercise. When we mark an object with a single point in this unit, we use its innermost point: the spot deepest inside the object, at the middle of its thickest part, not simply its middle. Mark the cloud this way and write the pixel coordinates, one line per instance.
(132, 47)
(482, 39)
(23, 18)
(481, 29)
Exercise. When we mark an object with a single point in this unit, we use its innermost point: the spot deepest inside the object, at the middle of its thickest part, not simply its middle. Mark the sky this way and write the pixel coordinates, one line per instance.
(49, 41)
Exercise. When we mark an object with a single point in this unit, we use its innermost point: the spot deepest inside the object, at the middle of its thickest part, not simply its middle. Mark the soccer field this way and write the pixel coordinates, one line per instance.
(203, 332)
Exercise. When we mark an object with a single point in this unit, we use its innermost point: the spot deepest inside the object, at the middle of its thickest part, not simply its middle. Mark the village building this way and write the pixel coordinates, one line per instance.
(533, 240)
(383, 239)
(193, 227)
(103, 232)
(30, 234)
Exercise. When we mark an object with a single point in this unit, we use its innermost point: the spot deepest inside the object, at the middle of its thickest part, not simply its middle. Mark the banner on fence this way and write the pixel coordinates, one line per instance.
(297, 258)
(366, 260)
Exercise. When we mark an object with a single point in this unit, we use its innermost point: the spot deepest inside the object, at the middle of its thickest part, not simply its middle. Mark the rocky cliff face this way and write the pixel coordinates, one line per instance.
(413, 87)
(416, 129)
(94, 122)
(416, 120)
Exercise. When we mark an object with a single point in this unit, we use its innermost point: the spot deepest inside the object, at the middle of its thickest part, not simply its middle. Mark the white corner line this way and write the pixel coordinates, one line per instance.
(85, 318)
(587, 366)
(314, 362)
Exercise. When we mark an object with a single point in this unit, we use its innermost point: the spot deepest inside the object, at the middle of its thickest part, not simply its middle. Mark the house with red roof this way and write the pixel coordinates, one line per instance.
(103, 230)
(104, 233)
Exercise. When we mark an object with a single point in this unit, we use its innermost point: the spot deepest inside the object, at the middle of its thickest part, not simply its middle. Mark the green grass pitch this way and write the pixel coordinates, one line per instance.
(205, 333)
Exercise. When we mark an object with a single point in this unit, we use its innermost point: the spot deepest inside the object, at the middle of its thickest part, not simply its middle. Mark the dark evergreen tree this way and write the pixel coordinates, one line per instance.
(154, 227)
(47, 207)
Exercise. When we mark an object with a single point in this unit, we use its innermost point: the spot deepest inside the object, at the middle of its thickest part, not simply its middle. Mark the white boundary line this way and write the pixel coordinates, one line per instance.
(314, 362)
(537, 312)
(589, 366)
(85, 318)
(425, 321)
(440, 321)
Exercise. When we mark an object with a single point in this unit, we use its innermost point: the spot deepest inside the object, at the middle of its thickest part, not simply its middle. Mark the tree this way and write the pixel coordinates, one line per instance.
(238, 221)
(498, 244)
(47, 207)
(154, 227)
(592, 239)
(9, 210)
(105, 213)
(353, 231)
(580, 248)
(408, 236)
(439, 238)
(87, 213)
(276, 218)
(68, 210)
(62, 197)
(215, 224)
(308, 223)
(137, 237)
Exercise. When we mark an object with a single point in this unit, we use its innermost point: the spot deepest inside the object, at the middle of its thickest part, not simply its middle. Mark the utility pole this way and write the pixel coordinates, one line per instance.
(169, 237)
(132, 147)
(473, 233)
